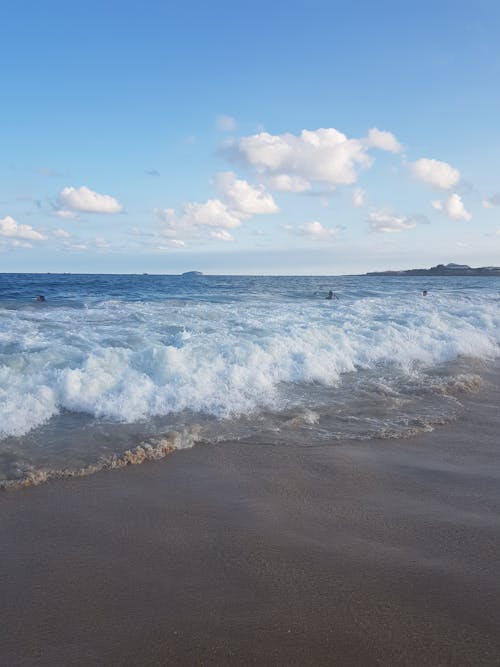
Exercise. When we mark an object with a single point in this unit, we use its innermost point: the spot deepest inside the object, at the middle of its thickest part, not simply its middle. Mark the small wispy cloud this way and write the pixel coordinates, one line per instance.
(61, 233)
(358, 197)
(492, 201)
(15, 243)
(383, 222)
(51, 173)
(315, 231)
(66, 215)
(222, 235)
(225, 123)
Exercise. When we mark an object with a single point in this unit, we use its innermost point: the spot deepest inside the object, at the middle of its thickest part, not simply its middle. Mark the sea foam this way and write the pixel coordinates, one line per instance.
(132, 360)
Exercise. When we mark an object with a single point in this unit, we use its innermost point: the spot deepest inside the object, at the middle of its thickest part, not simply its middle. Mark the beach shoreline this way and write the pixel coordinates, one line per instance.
(376, 552)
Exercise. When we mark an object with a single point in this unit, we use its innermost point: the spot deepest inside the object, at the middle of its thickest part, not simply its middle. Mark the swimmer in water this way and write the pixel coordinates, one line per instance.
(424, 293)
(331, 295)
(40, 297)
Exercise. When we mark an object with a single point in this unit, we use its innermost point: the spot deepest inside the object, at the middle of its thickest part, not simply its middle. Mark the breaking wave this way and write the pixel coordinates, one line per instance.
(242, 357)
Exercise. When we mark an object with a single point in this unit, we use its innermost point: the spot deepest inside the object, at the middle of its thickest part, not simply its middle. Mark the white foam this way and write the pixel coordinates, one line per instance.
(132, 361)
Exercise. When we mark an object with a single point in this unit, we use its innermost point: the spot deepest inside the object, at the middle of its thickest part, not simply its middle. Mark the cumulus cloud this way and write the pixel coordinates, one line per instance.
(238, 201)
(385, 222)
(492, 201)
(358, 197)
(196, 220)
(453, 207)
(212, 213)
(85, 200)
(9, 228)
(243, 197)
(440, 175)
(225, 123)
(296, 161)
(287, 183)
(316, 231)
(383, 140)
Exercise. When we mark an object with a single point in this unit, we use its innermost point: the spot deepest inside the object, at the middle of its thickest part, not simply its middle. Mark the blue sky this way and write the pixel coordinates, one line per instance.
(281, 138)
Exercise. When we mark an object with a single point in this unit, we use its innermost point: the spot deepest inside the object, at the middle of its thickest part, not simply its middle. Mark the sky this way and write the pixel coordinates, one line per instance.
(249, 138)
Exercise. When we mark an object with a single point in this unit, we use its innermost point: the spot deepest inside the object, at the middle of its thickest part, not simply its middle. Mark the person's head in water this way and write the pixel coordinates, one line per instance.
(330, 295)
(424, 293)
(40, 297)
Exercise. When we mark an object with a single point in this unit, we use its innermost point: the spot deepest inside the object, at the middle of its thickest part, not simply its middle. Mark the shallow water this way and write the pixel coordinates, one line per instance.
(110, 362)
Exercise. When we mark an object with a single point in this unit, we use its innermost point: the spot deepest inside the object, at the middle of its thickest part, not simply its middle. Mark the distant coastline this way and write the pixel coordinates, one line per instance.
(443, 270)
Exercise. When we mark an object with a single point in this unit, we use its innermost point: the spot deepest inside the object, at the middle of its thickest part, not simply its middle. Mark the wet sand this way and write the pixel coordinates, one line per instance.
(374, 553)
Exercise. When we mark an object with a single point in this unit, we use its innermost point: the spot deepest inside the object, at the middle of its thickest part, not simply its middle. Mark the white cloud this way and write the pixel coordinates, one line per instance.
(316, 231)
(453, 207)
(243, 197)
(440, 175)
(222, 235)
(194, 218)
(168, 244)
(213, 213)
(492, 201)
(384, 222)
(78, 247)
(85, 200)
(324, 155)
(287, 183)
(383, 140)
(225, 123)
(61, 233)
(66, 215)
(11, 229)
(48, 171)
(358, 197)
(20, 244)
(100, 243)
(238, 201)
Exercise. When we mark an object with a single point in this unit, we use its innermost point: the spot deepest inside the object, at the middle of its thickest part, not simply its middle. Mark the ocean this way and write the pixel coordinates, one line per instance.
(116, 369)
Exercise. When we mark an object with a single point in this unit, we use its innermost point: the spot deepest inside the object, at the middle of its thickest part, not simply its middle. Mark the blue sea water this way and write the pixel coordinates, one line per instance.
(142, 364)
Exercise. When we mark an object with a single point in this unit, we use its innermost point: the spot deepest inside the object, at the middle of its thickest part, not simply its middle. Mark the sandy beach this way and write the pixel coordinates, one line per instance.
(359, 553)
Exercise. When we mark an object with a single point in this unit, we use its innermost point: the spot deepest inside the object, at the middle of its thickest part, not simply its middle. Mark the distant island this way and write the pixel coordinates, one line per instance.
(443, 270)
(192, 273)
